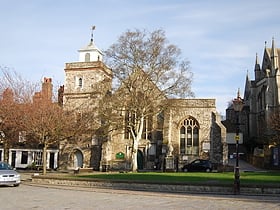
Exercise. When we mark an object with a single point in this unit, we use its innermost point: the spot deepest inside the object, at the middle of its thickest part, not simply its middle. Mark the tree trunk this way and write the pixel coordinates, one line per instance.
(134, 156)
(45, 159)
(136, 143)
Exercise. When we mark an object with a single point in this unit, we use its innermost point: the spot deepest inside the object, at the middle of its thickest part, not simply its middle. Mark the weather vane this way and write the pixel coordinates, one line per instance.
(92, 29)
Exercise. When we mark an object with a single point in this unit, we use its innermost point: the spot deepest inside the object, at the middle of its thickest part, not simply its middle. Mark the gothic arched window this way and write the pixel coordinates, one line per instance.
(189, 137)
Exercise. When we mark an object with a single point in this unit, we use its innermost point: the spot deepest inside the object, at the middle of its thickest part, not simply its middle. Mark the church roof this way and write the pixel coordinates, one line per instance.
(270, 56)
(269, 51)
(90, 47)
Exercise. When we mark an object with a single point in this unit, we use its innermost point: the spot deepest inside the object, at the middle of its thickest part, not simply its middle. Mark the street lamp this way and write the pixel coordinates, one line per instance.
(237, 106)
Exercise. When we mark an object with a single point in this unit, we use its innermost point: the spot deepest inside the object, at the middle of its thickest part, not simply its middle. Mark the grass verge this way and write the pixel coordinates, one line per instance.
(258, 178)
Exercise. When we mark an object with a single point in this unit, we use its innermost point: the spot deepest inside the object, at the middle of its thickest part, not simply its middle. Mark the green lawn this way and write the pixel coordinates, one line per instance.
(222, 178)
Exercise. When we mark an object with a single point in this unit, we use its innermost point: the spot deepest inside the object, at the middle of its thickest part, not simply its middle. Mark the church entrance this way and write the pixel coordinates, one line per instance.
(78, 159)
(140, 160)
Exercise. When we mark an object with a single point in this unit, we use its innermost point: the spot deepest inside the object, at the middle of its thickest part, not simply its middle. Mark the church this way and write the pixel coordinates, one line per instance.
(261, 101)
(188, 129)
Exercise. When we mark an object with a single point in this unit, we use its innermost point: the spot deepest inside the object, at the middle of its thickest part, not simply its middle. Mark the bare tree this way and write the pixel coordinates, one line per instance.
(14, 91)
(23, 89)
(9, 123)
(146, 70)
(49, 125)
(43, 121)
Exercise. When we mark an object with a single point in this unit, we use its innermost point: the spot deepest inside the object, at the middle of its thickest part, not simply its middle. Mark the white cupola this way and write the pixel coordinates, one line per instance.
(90, 53)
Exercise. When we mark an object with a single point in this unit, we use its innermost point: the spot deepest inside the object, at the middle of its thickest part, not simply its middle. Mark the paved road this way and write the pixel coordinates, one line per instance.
(56, 197)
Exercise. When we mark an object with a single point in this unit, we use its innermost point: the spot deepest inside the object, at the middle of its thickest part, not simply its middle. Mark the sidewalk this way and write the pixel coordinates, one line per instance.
(24, 176)
(244, 166)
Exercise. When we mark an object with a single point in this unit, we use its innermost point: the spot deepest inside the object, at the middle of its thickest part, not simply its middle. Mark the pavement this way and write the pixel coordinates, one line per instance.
(36, 197)
(27, 178)
(244, 166)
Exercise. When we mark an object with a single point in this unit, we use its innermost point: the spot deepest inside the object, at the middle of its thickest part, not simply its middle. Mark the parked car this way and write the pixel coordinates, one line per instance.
(198, 165)
(8, 176)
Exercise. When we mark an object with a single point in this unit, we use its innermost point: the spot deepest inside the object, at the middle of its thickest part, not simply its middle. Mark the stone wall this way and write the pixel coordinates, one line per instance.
(160, 187)
(219, 148)
(199, 109)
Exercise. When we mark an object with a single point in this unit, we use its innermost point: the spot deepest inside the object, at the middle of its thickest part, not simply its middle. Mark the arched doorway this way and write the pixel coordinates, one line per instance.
(78, 159)
(140, 160)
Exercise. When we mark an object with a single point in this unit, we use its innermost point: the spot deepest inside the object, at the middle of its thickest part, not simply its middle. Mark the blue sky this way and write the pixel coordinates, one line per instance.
(219, 37)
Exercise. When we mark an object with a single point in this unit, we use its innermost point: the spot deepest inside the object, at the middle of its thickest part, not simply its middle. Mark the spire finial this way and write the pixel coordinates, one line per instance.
(273, 48)
(92, 29)
(238, 93)
(257, 59)
(238, 102)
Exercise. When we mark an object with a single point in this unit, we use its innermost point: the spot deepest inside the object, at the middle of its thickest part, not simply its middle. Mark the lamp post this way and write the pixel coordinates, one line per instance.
(237, 106)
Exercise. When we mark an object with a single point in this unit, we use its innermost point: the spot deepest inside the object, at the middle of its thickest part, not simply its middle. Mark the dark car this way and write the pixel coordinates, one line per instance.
(198, 165)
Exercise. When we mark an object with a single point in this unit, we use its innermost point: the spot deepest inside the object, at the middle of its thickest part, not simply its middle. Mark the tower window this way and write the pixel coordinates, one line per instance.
(79, 82)
(87, 57)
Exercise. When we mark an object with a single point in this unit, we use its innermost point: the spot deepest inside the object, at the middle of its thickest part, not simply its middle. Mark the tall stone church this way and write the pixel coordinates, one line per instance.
(261, 100)
(189, 129)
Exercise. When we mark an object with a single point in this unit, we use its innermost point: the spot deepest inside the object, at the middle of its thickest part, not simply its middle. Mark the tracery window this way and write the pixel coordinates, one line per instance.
(189, 137)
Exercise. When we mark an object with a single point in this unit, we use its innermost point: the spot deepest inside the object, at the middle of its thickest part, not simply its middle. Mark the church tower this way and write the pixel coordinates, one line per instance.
(87, 79)
(86, 82)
